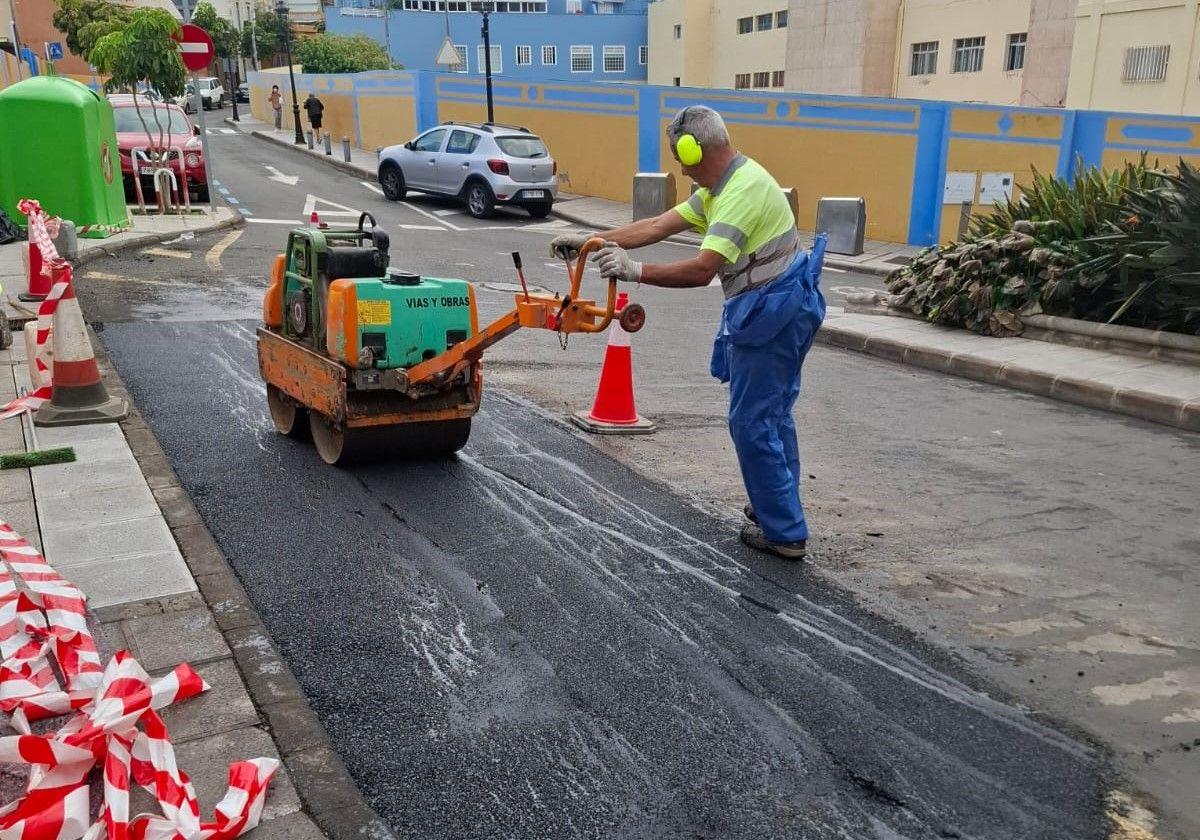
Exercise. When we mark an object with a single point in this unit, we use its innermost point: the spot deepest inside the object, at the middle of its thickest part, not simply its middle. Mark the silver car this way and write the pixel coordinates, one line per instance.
(482, 164)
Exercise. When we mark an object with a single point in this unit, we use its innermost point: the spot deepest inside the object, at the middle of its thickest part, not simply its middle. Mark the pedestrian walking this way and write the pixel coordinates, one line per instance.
(773, 309)
(314, 108)
(276, 101)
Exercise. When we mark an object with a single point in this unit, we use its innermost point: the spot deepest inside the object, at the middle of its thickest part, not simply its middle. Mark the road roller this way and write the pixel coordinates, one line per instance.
(371, 361)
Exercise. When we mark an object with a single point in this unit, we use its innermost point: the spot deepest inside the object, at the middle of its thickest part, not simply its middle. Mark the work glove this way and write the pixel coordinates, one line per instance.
(568, 245)
(614, 261)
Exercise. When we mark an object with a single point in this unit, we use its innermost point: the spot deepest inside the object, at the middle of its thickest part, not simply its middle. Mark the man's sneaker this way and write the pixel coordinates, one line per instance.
(748, 512)
(753, 536)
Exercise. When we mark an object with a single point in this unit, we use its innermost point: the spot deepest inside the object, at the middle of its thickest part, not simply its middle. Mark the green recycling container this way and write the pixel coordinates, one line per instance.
(58, 145)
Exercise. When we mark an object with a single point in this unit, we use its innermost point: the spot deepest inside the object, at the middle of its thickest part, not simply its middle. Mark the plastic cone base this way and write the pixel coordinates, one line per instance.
(641, 426)
(111, 411)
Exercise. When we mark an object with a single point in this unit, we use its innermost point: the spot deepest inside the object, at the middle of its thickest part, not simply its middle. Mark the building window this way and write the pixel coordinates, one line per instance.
(581, 59)
(497, 62)
(924, 59)
(574, 7)
(549, 55)
(1014, 58)
(461, 67)
(762, 80)
(781, 19)
(678, 31)
(777, 79)
(524, 56)
(643, 55)
(745, 25)
(536, 6)
(968, 55)
(604, 8)
(675, 81)
(741, 81)
(614, 59)
(765, 22)
(1146, 64)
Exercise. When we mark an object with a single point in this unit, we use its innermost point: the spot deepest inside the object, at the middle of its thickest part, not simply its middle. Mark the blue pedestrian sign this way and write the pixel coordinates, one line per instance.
(54, 51)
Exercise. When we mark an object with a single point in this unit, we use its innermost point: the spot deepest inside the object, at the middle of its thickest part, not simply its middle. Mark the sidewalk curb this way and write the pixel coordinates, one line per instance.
(142, 240)
(328, 794)
(351, 168)
(1131, 402)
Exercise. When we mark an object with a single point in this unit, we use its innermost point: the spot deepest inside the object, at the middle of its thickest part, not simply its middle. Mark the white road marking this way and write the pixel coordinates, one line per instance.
(340, 210)
(164, 252)
(834, 270)
(447, 212)
(372, 187)
(429, 215)
(261, 221)
(438, 228)
(276, 175)
(228, 130)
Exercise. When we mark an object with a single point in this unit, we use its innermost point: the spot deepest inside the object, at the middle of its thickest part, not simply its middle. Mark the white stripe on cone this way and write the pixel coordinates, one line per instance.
(71, 342)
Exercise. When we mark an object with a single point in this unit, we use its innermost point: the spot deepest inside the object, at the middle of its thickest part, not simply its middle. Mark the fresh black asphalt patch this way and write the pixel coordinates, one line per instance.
(532, 641)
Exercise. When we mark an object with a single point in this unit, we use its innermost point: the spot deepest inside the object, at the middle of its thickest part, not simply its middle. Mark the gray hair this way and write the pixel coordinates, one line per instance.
(701, 122)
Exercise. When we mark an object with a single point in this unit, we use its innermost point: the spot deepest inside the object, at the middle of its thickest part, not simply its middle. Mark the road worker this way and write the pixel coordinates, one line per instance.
(773, 308)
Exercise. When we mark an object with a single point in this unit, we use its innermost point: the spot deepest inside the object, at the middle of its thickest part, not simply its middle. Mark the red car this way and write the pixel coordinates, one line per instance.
(179, 133)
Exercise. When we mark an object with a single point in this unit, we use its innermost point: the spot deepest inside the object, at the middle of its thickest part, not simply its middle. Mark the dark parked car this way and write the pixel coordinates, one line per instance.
(243, 92)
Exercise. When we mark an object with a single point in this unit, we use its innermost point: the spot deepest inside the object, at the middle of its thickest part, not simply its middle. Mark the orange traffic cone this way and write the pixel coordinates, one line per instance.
(78, 395)
(38, 284)
(614, 411)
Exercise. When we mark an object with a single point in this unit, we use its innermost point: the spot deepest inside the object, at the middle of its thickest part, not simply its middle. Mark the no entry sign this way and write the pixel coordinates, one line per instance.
(195, 47)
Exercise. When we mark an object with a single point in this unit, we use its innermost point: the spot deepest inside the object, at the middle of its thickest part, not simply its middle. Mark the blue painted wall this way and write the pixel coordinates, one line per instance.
(417, 36)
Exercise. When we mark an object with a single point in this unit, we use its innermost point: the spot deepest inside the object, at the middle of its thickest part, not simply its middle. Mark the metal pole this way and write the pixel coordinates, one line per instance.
(487, 64)
(346, 149)
(310, 139)
(254, 38)
(208, 161)
(236, 82)
(964, 220)
(328, 143)
(281, 10)
(387, 30)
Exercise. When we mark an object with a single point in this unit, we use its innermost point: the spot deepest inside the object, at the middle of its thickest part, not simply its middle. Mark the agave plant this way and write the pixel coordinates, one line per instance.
(1103, 246)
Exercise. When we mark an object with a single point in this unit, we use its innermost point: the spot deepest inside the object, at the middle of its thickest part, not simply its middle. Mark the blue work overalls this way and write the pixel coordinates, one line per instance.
(764, 336)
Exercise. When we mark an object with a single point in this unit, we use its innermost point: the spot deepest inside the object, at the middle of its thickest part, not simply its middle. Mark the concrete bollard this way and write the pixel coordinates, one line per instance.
(845, 220)
(310, 140)
(793, 201)
(653, 194)
(67, 241)
(328, 144)
(346, 149)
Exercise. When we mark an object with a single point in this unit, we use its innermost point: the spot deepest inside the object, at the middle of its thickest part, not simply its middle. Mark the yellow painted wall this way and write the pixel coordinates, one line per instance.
(596, 153)
(938, 20)
(1104, 29)
(386, 120)
(711, 52)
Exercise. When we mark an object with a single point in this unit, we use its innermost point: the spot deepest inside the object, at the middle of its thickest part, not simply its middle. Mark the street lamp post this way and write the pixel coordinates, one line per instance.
(487, 61)
(281, 11)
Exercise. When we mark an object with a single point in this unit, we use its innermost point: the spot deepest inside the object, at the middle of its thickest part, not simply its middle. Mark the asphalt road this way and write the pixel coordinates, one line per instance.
(532, 639)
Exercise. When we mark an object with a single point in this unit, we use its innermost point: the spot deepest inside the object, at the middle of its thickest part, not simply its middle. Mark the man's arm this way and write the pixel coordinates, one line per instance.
(686, 274)
(647, 231)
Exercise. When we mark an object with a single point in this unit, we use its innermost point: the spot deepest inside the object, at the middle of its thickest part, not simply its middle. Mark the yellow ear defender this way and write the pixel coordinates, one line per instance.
(689, 150)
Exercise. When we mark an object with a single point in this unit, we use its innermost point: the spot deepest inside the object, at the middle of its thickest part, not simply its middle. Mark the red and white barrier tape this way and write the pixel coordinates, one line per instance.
(41, 229)
(116, 726)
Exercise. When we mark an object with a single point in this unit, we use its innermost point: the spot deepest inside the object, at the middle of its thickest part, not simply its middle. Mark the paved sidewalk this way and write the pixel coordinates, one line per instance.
(102, 524)
(603, 214)
(362, 163)
(146, 230)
